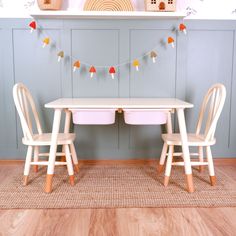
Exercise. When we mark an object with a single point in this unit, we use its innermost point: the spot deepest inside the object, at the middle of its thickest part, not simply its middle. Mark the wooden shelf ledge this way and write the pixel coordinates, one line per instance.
(106, 15)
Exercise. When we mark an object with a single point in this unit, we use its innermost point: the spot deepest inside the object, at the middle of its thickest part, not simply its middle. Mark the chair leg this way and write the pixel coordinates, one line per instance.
(36, 158)
(48, 183)
(200, 153)
(74, 157)
(160, 166)
(69, 165)
(211, 166)
(27, 165)
(168, 165)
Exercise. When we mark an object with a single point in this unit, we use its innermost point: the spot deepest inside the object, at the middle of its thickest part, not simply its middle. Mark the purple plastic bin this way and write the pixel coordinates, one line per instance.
(93, 116)
(145, 117)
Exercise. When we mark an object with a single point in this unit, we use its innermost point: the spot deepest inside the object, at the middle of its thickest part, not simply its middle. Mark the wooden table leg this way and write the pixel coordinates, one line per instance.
(72, 147)
(160, 166)
(53, 150)
(66, 130)
(185, 149)
(67, 121)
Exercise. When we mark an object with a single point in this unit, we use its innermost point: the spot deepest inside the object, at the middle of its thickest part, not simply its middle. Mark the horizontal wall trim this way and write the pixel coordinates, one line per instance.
(217, 162)
(60, 24)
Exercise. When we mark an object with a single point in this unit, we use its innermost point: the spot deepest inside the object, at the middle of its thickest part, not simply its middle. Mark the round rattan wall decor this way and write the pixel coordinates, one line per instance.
(108, 5)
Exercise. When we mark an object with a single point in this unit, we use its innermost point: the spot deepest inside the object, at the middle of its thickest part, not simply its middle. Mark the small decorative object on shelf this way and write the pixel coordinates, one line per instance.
(160, 5)
(108, 5)
(50, 4)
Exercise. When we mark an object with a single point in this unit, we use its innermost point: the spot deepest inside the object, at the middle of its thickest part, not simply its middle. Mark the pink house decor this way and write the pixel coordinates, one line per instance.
(160, 5)
(50, 4)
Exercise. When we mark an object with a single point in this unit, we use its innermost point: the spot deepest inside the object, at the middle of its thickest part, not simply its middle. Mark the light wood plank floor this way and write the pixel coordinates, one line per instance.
(122, 222)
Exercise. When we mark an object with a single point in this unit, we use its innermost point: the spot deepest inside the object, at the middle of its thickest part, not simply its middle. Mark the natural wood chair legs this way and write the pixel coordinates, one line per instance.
(72, 180)
(213, 180)
(70, 155)
(166, 180)
(190, 183)
(25, 180)
(160, 167)
(36, 168)
(168, 165)
(63, 159)
(48, 185)
(76, 168)
(201, 168)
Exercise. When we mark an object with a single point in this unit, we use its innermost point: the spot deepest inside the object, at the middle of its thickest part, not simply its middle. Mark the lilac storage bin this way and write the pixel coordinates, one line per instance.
(145, 116)
(93, 116)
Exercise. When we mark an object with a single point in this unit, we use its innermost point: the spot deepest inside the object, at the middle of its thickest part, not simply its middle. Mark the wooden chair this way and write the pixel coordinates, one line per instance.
(208, 117)
(34, 140)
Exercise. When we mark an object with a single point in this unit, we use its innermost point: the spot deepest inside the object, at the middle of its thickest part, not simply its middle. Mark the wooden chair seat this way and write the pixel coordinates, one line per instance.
(45, 139)
(193, 140)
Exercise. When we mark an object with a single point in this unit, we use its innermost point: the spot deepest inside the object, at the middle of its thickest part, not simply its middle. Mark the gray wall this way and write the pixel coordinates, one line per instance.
(205, 56)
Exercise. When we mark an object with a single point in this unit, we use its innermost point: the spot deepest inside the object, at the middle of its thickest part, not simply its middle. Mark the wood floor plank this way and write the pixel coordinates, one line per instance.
(120, 222)
(19, 222)
(45, 222)
(64, 222)
(136, 221)
(130, 221)
(151, 221)
(221, 221)
(103, 222)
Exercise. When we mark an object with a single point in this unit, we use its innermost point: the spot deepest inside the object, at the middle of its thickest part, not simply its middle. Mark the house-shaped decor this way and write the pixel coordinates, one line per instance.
(160, 5)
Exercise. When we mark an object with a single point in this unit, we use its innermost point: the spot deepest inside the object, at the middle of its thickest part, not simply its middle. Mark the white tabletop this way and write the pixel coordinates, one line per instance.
(89, 103)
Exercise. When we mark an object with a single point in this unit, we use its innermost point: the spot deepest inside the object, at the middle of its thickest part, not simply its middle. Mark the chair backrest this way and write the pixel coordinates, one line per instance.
(210, 111)
(26, 109)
